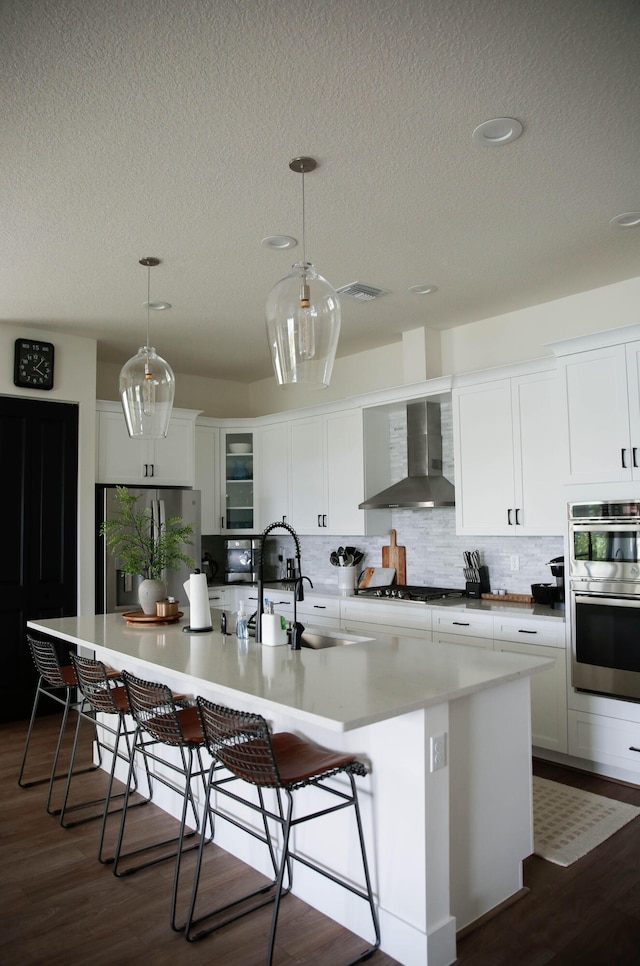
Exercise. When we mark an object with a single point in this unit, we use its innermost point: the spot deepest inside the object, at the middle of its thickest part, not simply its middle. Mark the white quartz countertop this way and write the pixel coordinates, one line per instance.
(506, 608)
(339, 688)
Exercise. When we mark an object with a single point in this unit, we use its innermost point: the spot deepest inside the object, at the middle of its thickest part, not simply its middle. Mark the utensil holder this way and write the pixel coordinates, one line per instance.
(481, 586)
(346, 580)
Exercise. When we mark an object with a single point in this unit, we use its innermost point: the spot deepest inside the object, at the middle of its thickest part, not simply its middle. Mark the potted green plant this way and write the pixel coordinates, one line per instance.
(144, 547)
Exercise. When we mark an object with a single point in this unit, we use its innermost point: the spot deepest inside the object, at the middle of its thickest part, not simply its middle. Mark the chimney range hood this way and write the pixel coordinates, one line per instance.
(425, 486)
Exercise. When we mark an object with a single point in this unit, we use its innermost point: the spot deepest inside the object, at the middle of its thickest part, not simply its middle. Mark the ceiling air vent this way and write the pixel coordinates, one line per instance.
(362, 292)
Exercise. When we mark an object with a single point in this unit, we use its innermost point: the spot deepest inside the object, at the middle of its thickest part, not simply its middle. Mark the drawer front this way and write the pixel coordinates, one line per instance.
(316, 607)
(530, 631)
(392, 630)
(609, 741)
(462, 623)
(469, 639)
(397, 615)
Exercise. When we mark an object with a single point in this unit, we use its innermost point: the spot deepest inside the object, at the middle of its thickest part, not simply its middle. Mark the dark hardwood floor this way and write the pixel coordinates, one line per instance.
(60, 906)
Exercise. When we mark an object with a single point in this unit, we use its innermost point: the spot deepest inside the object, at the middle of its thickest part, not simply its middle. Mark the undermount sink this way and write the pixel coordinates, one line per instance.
(320, 641)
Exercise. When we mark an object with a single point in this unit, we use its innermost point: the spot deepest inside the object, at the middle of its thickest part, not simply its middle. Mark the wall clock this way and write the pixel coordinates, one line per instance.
(33, 365)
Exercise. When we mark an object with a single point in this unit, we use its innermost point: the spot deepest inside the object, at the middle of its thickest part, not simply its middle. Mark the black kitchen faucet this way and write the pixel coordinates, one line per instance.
(298, 591)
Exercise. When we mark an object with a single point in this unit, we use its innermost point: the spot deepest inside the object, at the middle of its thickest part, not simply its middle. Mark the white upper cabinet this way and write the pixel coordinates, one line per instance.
(273, 495)
(327, 477)
(150, 462)
(207, 478)
(602, 402)
(509, 458)
(238, 481)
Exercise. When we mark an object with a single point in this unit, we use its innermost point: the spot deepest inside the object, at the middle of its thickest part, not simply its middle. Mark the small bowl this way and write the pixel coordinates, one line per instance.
(239, 448)
(167, 608)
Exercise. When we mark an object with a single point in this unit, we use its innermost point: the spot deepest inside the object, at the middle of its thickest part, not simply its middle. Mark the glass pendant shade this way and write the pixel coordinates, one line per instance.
(147, 388)
(303, 327)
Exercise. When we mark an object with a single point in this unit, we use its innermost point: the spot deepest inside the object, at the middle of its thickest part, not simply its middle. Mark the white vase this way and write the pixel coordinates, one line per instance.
(149, 592)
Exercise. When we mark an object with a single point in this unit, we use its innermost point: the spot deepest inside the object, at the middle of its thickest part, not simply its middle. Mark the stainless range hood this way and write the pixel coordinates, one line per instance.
(425, 486)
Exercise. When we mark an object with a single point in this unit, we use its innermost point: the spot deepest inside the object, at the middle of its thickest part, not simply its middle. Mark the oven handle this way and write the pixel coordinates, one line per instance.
(606, 601)
(610, 526)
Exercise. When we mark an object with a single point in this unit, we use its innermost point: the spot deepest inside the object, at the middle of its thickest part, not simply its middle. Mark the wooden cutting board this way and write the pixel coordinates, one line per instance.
(396, 557)
(377, 577)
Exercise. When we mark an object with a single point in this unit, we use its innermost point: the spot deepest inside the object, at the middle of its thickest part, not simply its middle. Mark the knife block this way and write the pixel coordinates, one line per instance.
(478, 588)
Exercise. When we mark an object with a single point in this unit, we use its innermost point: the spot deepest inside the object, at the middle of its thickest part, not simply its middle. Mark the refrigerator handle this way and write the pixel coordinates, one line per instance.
(160, 518)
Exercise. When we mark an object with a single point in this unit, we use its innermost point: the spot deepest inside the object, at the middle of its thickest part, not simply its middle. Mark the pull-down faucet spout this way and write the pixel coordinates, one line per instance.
(298, 593)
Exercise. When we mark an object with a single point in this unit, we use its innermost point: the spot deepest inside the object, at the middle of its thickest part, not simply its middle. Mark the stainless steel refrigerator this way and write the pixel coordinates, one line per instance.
(116, 591)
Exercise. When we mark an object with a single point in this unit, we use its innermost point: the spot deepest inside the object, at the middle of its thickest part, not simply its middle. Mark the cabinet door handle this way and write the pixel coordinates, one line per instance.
(623, 458)
(633, 748)
(324, 519)
(509, 517)
(461, 623)
(222, 523)
(521, 631)
(152, 468)
(146, 469)
(319, 520)
(634, 455)
(517, 516)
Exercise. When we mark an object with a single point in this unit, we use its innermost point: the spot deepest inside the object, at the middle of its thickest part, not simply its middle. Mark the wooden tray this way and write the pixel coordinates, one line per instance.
(517, 598)
(139, 617)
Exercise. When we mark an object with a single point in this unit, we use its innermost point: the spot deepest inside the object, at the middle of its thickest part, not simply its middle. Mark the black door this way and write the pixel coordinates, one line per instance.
(38, 486)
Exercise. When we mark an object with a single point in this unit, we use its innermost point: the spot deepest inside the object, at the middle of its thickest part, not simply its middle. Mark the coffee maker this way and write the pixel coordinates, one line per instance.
(551, 594)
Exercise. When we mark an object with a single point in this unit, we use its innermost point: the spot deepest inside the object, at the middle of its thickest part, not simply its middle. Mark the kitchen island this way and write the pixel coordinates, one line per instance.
(446, 844)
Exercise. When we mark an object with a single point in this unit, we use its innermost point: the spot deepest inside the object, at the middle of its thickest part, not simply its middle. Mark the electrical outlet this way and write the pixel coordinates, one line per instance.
(515, 561)
(438, 750)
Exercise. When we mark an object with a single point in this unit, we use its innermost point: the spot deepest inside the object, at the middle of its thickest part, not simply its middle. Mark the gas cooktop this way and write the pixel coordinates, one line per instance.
(409, 592)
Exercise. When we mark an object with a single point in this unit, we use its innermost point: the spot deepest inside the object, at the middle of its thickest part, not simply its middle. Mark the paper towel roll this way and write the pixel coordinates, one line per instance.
(272, 630)
(199, 608)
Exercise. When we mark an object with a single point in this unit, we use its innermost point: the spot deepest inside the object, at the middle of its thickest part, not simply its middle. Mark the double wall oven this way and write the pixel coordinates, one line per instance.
(604, 581)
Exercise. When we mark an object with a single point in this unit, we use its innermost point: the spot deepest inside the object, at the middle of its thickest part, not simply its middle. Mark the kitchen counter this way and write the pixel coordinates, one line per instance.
(503, 608)
(385, 699)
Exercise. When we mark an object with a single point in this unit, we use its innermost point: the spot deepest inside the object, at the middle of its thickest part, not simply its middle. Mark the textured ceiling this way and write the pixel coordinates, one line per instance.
(165, 127)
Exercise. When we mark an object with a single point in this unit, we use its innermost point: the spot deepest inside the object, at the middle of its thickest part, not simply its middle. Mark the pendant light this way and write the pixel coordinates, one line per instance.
(147, 384)
(303, 317)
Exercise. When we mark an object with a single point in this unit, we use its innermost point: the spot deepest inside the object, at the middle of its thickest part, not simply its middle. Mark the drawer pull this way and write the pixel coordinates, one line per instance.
(461, 623)
(522, 631)
(319, 606)
(633, 748)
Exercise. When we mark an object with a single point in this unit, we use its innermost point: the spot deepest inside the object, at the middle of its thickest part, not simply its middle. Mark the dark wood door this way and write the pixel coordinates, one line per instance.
(38, 553)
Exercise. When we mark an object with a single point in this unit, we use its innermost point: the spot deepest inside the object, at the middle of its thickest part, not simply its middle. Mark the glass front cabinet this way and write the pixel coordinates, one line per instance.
(238, 510)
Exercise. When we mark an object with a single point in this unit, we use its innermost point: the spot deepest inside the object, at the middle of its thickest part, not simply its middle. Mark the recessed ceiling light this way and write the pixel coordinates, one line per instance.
(279, 241)
(498, 131)
(424, 289)
(629, 219)
(157, 306)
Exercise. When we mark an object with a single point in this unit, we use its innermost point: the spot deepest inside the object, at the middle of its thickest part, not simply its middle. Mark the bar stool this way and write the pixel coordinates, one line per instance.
(57, 682)
(165, 719)
(101, 697)
(243, 743)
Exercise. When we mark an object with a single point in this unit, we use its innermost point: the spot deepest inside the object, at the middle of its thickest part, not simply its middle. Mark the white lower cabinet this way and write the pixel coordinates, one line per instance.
(411, 620)
(549, 688)
(609, 741)
(462, 627)
(548, 696)
(218, 597)
(319, 611)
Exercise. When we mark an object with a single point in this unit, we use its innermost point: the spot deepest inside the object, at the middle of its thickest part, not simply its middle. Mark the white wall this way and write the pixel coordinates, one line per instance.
(74, 382)
(214, 397)
(522, 335)
(500, 340)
